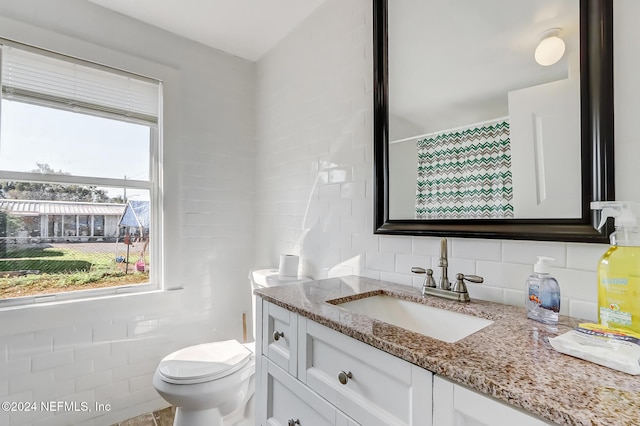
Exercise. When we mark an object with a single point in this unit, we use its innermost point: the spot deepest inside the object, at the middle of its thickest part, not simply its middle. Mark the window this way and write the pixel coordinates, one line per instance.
(79, 178)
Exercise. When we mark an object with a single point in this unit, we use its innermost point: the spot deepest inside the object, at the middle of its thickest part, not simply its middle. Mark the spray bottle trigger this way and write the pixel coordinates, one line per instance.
(607, 213)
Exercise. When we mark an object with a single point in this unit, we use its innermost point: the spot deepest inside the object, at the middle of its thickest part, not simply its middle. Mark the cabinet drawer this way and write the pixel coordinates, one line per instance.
(376, 388)
(291, 403)
(279, 338)
(455, 405)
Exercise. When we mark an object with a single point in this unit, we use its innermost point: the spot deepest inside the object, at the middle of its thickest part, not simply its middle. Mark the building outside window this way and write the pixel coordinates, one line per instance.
(79, 142)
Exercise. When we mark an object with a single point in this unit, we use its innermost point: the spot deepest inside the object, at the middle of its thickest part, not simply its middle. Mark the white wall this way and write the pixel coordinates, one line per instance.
(105, 351)
(314, 185)
(312, 189)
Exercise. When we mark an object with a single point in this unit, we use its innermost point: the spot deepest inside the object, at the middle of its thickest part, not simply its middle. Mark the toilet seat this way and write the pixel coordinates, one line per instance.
(204, 363)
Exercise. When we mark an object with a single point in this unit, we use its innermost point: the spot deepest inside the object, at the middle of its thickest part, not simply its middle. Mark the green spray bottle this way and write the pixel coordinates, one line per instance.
(619, 267)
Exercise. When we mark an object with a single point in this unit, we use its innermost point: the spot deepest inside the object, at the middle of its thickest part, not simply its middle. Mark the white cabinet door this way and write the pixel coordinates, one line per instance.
(290, 403)
(369, 385)
(455, 405)
(279, 336)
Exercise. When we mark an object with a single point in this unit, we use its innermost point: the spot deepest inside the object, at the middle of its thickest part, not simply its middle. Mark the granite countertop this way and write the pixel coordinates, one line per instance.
(510, 359)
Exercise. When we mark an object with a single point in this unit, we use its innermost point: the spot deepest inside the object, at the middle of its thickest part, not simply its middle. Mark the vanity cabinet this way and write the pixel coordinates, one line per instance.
(291, 403)
(309, 371)
(455, 405)
(309, 374)
(371, 386)
(279, 334)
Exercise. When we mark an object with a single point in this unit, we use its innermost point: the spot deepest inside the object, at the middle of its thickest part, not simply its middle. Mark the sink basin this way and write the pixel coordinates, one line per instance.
(437, 323)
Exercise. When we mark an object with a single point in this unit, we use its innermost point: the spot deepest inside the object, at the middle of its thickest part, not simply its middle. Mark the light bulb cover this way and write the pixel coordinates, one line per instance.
(550, 50)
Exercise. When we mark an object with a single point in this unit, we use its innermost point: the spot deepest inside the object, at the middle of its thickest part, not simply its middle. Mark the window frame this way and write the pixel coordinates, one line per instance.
(153, 185)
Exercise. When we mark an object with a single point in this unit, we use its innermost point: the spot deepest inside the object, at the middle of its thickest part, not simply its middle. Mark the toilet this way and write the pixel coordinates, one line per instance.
(212, 384)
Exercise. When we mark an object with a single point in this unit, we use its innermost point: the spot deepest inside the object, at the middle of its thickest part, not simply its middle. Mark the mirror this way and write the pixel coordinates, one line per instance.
(467, 91)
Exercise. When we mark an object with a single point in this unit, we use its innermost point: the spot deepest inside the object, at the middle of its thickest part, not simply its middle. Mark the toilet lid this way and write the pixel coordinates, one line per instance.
(208, 361)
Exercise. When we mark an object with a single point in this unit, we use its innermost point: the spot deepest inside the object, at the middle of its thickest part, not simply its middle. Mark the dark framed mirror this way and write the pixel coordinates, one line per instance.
(594, 180)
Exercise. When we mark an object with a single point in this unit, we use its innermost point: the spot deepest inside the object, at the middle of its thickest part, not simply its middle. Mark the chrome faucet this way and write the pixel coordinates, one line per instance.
(444, 289)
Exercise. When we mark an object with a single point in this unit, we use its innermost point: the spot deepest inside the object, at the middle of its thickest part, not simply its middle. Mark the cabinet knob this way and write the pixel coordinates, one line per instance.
(292, 422)
(344, 377)
(277, 335)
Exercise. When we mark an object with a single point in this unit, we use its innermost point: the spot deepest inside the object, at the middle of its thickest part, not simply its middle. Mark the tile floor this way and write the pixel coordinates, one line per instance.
(162, 417)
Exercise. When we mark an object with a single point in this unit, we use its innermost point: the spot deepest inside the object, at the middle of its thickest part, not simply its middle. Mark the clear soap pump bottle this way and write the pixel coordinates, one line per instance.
(543, 294)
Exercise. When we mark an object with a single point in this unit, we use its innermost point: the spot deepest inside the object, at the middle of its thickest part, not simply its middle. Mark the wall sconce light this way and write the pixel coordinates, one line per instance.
(550, 49)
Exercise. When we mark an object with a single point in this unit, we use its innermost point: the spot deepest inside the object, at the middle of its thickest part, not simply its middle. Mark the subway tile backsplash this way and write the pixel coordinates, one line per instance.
(505, 264)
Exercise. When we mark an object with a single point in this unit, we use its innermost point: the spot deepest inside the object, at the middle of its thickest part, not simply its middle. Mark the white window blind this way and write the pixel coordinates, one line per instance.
(52, 80)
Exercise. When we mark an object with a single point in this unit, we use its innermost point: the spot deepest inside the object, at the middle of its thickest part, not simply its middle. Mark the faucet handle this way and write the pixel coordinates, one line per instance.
(460, 286)
(471, 278)
(429, 281)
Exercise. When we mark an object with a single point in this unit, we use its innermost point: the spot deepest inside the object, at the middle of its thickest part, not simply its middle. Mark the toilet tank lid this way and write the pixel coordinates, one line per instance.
(269, 277)
(206, 361)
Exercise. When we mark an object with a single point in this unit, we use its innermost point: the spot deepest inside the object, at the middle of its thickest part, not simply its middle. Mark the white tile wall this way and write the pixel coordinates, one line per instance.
(106, 351)
(312, 186)
(323, 72)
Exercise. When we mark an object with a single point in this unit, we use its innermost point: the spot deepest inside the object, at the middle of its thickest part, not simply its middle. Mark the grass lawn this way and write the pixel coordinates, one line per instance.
(62, 270)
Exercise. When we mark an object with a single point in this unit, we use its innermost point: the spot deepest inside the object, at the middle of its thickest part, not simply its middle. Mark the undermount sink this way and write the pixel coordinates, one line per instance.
(437, 323)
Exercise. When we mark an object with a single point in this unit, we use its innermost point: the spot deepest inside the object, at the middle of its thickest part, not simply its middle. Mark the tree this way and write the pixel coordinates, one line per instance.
(51, 191)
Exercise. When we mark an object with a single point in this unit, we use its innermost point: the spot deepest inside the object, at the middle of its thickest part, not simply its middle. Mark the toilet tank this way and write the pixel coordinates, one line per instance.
(268, 277)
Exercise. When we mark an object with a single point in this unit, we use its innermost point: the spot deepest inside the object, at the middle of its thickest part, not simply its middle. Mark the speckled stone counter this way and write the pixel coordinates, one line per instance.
(510, 359)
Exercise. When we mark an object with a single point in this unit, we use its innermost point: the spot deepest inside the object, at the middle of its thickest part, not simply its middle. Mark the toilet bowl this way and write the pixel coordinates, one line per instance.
(209, 384)
(212, 384)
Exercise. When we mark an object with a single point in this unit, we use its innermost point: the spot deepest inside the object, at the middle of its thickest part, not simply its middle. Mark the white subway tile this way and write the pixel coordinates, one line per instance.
(394, 244)
(476, 249)
(98, 352)
(507, 275)
(351, 224)
(482, 292)
(380, 261)
(340, 270)
(93, 380)
(116, 359)
(340, 175)
(53, 391)
(425, 246)
(78, 368)
(584, 310)
(104, 394)
(526, 252)
(143, 327)
(514, 297)
(329, 192)
(22, 345)
(140, 382)
(364, 241)
(135, 369)
(394, 277)
(109, 331)
(585, 256)
(353, 190)
(30, 381)
(72, 337)
(133, 399)
(51, 359)
(15, 367)
(404, 263)
(577, 284)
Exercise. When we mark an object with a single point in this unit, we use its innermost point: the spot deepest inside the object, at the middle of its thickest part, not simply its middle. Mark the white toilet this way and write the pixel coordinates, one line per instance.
(213, 383)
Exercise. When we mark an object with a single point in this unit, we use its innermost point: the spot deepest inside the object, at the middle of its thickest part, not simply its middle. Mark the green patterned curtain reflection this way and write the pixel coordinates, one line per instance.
(465, 173)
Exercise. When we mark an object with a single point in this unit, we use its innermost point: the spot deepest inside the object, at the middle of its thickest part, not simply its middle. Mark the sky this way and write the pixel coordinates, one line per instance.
(79, 144)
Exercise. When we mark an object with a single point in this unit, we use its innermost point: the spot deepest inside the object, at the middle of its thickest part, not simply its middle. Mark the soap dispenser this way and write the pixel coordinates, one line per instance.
(542, 293)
